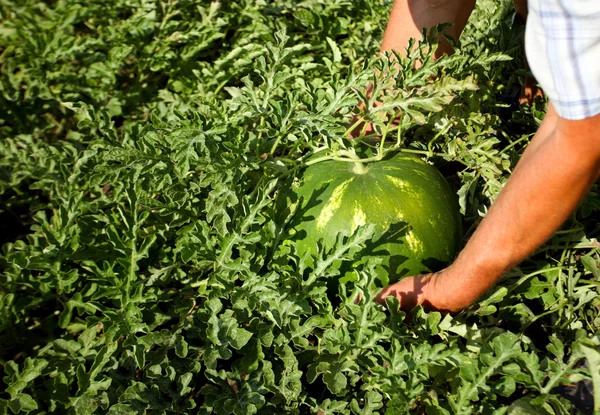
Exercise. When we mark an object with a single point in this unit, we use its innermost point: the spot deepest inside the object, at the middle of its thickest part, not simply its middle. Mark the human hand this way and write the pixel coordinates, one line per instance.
(411, 292)
(441, 291)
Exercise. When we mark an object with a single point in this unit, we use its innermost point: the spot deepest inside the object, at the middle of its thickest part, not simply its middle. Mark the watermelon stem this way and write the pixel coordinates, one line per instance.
(359, 168)
(371, 159)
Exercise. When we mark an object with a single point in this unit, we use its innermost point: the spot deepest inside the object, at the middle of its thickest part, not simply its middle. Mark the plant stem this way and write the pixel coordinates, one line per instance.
(359, 168)
(514, 143)
(352, 127)
(378, 157)
(442, 131)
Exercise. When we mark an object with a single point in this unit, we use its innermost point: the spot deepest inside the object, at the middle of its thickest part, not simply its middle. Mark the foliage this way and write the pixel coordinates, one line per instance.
(143, 146)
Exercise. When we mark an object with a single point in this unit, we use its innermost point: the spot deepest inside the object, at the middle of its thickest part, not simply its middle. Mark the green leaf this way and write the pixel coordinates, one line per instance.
(337, 54)
(591, 265)
(32, 370)
(238, 337)
(22, 403)
(591, 351)
(146, 264)
(469, 372)
(336, 382)
(506, 386)
(181, 346)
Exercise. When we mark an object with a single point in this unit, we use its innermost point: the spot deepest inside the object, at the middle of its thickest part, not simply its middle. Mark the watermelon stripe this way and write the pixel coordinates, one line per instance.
(332, 205)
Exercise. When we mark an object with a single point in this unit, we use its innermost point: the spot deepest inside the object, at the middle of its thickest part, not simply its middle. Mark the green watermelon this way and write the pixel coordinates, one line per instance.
(415, 213)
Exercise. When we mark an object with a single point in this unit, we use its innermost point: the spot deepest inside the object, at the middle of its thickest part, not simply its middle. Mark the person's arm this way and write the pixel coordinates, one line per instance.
(555, 173)
(407, 21)
(409, 17)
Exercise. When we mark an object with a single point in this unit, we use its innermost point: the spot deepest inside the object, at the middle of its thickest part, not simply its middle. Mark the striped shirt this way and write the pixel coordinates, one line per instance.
(562, 43)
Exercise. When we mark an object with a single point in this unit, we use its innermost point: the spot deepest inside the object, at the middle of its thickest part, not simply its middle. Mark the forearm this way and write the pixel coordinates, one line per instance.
(545, 130)
(409, 17)
(407, 21)
(542, 192)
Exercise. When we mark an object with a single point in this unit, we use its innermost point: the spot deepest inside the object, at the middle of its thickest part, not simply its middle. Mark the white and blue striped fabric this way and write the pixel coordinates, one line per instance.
(562, 43)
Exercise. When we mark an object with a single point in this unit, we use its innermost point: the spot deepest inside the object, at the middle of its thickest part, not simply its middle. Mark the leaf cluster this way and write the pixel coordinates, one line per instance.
(143, 148)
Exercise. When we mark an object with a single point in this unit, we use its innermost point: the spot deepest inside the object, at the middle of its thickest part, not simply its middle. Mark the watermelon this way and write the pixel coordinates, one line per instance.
(414, 211)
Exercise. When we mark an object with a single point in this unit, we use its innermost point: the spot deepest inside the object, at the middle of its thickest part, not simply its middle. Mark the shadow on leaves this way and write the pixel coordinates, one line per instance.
(300, 216)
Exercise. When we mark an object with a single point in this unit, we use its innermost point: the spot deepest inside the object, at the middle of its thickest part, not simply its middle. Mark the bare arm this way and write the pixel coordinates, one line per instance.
(409, 17)
(407, 21)
(555, 173)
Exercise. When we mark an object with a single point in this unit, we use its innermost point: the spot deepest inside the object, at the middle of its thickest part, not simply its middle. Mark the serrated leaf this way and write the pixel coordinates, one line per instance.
(22, 403)
(337, 54)
(591, 265)
(336, 382)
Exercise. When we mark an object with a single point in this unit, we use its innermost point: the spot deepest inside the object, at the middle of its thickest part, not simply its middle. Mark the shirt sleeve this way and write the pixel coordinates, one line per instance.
(562, 43)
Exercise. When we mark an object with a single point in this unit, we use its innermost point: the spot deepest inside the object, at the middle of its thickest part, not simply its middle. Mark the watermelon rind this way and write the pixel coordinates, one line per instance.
(412, 207)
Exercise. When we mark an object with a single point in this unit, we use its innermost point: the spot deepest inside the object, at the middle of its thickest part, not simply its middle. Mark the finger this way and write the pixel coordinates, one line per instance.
(359, 297)
(380, 298)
